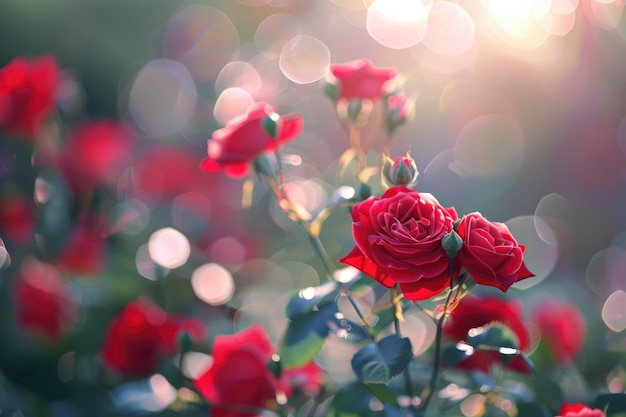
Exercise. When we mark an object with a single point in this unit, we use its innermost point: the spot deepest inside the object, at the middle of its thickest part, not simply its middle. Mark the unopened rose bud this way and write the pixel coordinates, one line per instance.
(363, 191)
(452, 244)
(354, 109)
(402, 171)
(331, 89)
(185, 342)
(397, 111)
(270, 124)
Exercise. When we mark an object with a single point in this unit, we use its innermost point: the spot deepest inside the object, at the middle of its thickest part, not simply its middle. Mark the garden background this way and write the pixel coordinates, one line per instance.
(519, 113)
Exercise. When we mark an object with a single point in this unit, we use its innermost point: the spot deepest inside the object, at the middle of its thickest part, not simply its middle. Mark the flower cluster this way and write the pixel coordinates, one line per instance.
(97, 181)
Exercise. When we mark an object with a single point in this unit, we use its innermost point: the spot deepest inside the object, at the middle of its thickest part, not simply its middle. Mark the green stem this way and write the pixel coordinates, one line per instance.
(434, 379)
(329, 267)
(396, 324)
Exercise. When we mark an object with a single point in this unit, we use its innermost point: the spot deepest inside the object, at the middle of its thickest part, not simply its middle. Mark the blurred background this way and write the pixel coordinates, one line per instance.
(520, 113)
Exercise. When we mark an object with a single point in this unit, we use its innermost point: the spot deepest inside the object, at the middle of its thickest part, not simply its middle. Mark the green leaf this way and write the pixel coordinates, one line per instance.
(385, 394)
(379, 362)
(347, 329)
(305, 336)
(455, 354)
(270, 124)
(309, 298)
(493, 335)
(613, 403)
(352, 400)
(532, 409)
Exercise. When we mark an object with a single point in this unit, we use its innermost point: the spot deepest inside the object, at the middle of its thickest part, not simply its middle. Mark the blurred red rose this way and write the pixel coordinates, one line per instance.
(95, 153)
(579, 410)
(17, 218)
(143, 335)
(490, 253)
(43, 301)
(398, 240)
(360, 79)
(27, 94)
(232, 148)
(83, 252)
(562, 327)
(308, 379)
(153, 182)
(239, 383)
(473, 312)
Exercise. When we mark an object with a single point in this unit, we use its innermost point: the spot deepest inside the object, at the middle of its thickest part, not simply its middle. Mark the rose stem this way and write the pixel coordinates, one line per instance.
(317, 245)
(396, 324)
(437, 359)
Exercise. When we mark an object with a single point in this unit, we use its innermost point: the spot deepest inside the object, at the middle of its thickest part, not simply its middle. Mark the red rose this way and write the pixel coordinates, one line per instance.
(398, 240)
(84, 252)
(490, 253)
(17, 218)
(143, 335)
(562, 327)
(579, 410)
(472, 312)
(308, 379)
(27, 94)
(43, 302)
(239, 383)
(232, 148)
(95, 153)
(361, 79)
(239, 379)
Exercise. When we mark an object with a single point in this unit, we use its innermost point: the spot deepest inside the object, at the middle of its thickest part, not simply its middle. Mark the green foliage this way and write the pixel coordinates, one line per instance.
(379, 362)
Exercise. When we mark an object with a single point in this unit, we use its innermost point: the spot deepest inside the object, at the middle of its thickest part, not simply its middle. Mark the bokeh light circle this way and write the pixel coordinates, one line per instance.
(450, 30)
(397, 24)
(489, 146)
(163, 98)
(604, 272)
(238, 74)
(522, 24)
(213, 284)
(305, 59)
(204, 39)
(232, 102)
(274, 32)
(169, 248)
(540, 257)
(614, 311)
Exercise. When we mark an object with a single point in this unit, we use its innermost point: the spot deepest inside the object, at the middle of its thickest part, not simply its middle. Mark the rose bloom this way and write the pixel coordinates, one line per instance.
(398, 240)
(490, 253)
(360, 79)
(239, 383)
(83, 252)
(579, 410)
(27, 94)
(43, 302)
(473, 312)
(17, 218)
(95, 153)
(143, 335)
(562, 327)
(232, 148)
